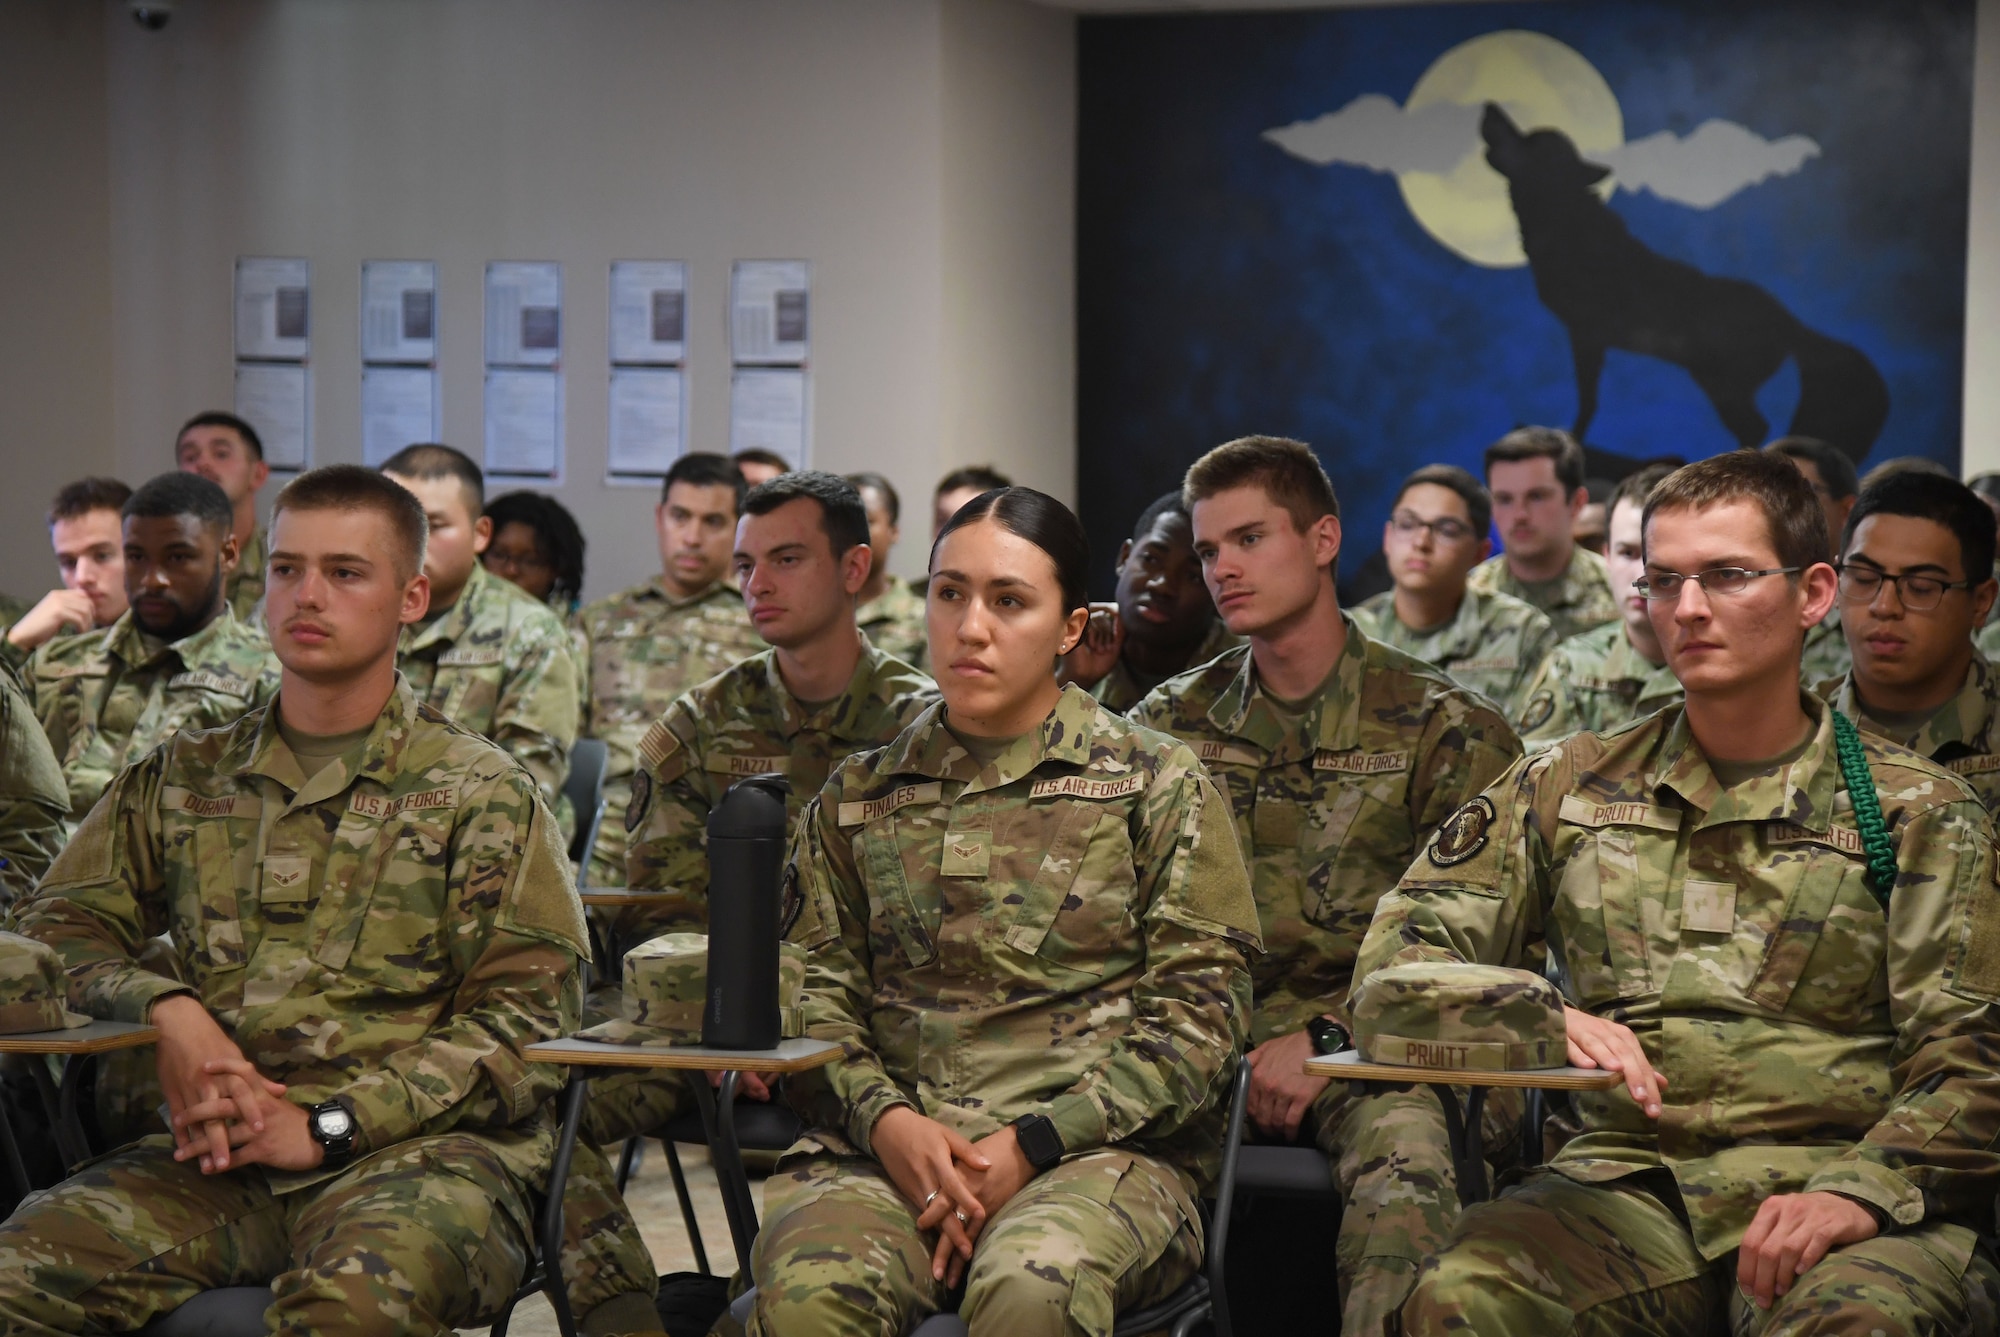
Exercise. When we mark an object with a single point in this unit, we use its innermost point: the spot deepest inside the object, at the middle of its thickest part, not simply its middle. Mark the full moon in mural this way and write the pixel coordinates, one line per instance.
(1542, 83)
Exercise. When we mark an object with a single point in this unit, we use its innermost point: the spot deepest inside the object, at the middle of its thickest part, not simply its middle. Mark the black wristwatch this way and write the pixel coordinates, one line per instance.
(332, 1126)
(1328, 1036)
(1039, 1141)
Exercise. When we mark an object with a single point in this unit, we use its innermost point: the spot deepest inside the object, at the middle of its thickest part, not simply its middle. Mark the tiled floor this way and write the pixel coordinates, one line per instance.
(651, 1197)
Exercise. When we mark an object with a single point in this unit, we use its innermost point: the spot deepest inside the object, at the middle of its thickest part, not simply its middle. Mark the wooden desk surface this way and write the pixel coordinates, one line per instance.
(615, 896)
(789, 1056)
(95, 1038)
(1351, 1067)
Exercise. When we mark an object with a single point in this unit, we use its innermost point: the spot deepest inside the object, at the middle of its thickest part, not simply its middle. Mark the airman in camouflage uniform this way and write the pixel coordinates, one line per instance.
(245, 588)
(1688, 913)
(107, 697)
(646, 646)
(1574, 602)
(501, 664)
(1826, 654)
(1963, 736)
(392, 932)
(1059, 931)
(33, 797)
(1121, 689)
(1597, 681)
(894, 623)
(1492, 645)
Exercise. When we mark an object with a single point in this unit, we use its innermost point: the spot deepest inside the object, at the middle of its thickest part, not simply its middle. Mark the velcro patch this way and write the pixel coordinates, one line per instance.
(468, 657)
(379, 808)
(1977, 765)
(1360, 763)
(1582, 812)
(1233, 754)
(1708, 907)
(211, 682)
(1486, 665)
(1844, 839)
(174, 799)
(659, 743)
(729, 764)
(1082, 786)
(903, 796)
(285, 879)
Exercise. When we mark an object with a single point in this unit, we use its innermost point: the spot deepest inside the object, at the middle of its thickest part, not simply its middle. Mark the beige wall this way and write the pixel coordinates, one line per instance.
(1982, 269)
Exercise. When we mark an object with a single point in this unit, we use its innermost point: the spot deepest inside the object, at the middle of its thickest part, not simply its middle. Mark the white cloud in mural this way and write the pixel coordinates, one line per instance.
(1707, 167)
(1374, 132)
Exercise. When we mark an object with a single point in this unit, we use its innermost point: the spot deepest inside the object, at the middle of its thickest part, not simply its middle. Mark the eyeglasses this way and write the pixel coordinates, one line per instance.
(1715, 580)
(1918, 592)
(1448, 530)
(509, 560)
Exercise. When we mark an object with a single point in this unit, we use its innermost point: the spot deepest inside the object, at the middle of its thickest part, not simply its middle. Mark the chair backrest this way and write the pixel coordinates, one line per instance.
(584, 787)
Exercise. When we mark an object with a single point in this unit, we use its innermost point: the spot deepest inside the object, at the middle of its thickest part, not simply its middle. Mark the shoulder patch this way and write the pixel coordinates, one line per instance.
(659, 743)
(1082, 786)
(1360, 763)
(642, 796)
(1463, 834)
(1541, 709)
(1582, 812)
(904, 796)
(381, 809)
(211, 682)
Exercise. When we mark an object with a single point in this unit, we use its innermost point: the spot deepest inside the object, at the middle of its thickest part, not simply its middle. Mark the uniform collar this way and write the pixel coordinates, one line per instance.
(657, 588)
(456, 621)
(928, 748)
(1964, 720)
(1801, 793)
(266, 754)
(1332, 721)
(124, 639)
(841, 717)
(1122, 679)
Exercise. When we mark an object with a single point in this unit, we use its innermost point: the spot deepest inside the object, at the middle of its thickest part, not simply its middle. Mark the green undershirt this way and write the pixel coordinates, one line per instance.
(315, 752)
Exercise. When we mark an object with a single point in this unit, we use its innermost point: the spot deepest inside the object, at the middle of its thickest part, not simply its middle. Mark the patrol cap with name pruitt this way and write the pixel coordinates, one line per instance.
(666, 989)
(33, 988)
(1460, 1015)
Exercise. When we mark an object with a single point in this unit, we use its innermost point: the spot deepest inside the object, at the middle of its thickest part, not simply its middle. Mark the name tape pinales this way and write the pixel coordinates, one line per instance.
(1082, 786)
(903, 796)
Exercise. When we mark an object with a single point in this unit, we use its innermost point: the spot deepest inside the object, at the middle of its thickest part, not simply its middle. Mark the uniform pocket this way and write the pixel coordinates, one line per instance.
(1057, 918)
(1595, 916)
(895, 921)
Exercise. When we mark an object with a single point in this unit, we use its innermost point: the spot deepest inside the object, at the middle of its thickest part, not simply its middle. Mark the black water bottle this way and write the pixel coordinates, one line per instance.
(746, 859)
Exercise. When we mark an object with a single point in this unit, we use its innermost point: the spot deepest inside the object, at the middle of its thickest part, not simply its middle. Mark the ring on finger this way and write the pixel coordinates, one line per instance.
(963, 1219)
(931, 1199)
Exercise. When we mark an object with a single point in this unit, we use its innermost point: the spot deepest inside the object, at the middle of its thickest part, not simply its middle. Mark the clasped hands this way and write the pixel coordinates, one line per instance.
(955, 1185)
(224, 1112)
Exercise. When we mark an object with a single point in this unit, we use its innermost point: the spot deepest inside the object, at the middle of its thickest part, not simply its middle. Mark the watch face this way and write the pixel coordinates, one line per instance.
(334, 1123)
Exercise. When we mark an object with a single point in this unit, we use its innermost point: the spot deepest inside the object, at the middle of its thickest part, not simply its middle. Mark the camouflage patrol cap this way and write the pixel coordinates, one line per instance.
(666, 988)
(1460, 1015)
(33, 988)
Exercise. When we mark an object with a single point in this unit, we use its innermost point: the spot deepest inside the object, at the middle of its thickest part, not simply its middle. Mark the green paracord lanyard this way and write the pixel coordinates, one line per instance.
(1867, 808)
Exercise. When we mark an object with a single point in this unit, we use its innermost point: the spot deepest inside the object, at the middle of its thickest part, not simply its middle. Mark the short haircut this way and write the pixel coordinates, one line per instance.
(432, 460)
(1904, 464)
(1540, 443)
(1927, 496)
(705, 470)
(1042, 521)
(984, 477)
(1835, 468)
(1632, 489)
(350, 487)
(218, 418)
(85, 495)
(177, 494)
(1167, 503)
(841, 513)
(1985, 485)
(555, 529)
(759, 455)
(1478, 501)
(867, 480)
(1287, 470)
(1791, 508)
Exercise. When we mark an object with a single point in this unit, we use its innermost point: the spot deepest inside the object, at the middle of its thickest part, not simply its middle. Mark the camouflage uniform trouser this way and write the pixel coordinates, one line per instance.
(1392, 1164)
(1554, 1256)
(840, 1253)
(424, 1237)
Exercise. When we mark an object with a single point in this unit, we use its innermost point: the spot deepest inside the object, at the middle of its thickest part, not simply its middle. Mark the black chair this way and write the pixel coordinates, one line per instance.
(1202, 1298)
(584, 788)
(759, 1127)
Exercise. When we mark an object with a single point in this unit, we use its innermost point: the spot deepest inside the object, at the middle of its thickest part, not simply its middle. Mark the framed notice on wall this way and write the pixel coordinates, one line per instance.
(768, 302)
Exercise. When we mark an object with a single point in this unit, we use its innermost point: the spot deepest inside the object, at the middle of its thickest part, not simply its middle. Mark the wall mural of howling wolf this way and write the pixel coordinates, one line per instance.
(1675, 225)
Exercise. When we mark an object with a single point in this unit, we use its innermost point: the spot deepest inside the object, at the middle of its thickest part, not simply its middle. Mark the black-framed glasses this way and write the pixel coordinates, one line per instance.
(1448, 529)
(1918, 591)
(1715, 580)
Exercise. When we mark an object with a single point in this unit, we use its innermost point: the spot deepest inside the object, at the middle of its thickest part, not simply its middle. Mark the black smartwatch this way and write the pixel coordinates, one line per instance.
(1039, 1141)
(1328, 1036)
(333, 1127)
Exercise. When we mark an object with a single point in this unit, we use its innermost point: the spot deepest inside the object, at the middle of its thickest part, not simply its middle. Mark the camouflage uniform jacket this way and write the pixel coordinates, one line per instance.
(1809, 1042)
(394, 936)
(1963, 737)
(1596, 681)
(246, 583)
(1121, 689)
(1826, 653)
(1987, 638)
(499, 663)
(645, 647)
(894, 621)
(1331, 812)
(33, 798)
(739, 723)
(1492, 645)
(1577, 600)
(106, 698)
(1060, 931)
